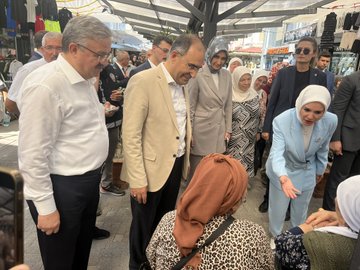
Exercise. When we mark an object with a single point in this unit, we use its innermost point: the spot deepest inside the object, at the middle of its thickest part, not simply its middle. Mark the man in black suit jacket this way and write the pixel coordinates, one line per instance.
(160, 49)
(38, 54)
(288, 84)
(345, 142)
(120, 68)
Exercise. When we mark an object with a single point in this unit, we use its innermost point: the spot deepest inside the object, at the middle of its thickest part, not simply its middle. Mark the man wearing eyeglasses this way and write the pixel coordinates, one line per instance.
(156, 139)
(51, 47)
(63, 144)
(160, 50)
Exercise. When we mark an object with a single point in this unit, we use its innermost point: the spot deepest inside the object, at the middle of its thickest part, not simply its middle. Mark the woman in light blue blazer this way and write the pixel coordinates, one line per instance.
(298, 156)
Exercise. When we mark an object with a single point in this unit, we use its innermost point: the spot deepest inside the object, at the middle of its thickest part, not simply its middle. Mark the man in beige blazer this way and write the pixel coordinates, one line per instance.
(156, 139)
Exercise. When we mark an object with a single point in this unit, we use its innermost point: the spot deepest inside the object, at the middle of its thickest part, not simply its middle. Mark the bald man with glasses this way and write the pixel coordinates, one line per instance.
(156, 139)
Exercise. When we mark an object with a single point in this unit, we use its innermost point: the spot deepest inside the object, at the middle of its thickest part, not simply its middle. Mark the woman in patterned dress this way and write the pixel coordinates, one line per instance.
(245, 119)
(215, 192)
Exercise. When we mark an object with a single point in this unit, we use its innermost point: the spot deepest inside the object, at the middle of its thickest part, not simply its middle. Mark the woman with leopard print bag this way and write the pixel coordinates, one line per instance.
(215, 192)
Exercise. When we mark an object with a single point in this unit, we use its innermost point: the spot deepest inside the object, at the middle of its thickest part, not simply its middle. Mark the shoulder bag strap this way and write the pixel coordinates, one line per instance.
(219, 231)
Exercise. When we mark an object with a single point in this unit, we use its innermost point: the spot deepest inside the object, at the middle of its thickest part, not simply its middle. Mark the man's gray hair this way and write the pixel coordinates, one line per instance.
(184, 42)
(120, 55)
(50, 35)
(83, 28)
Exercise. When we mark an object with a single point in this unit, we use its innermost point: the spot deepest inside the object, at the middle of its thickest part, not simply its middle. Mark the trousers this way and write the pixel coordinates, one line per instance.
(76, 199)
(145, 217)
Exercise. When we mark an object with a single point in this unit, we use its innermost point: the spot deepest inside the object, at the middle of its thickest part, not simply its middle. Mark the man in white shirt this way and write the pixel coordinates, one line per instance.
(63, 144)
(51, 48)
(156, 139)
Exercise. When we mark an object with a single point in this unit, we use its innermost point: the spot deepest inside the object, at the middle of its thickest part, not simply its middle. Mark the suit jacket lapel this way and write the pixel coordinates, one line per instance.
(290, 81)
(313, 76)
(210, 81)
(163, 84)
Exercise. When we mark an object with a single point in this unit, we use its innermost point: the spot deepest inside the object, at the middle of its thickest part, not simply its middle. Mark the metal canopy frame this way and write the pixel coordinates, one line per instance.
(209, 17)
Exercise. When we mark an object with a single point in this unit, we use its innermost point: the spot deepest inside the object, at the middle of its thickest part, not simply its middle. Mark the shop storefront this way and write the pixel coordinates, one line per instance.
(279, 54)
(251, 57)
(343, 62)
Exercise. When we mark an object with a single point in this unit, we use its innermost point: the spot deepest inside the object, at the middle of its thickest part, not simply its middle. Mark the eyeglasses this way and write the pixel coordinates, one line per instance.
(52, 48)
(101, 56)
(305, 51)
(191, 66)
(164, 50)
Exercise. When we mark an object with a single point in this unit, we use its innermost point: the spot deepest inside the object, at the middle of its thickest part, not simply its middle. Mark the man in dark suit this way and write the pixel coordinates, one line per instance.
(120, 68)
(160, 49)
(345, 142)
(287, 86)
(322, 63)
(38, 54)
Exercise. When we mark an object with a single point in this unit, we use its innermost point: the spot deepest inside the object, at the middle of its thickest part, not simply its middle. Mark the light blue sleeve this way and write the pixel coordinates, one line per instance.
(278, 149)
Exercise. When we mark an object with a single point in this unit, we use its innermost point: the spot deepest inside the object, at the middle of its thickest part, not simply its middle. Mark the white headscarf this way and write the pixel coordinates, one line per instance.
(259, 73)
(348, 200)
(235, 59)
(239, 95)
(312, 93)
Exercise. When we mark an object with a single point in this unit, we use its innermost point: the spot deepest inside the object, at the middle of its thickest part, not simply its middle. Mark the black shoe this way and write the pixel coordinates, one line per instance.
(112, 189)
(100, 234)
(263, 208)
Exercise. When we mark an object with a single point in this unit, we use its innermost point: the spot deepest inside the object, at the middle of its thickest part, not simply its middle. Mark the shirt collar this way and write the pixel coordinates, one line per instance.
(151, 64)
(70, 72)
(168, 77)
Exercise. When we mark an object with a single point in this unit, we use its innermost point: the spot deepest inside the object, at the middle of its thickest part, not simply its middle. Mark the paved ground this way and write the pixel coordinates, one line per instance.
(113, 253)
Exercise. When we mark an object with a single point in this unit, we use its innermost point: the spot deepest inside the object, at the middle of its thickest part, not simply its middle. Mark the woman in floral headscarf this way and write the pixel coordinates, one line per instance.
(210, 105)
(216, 191)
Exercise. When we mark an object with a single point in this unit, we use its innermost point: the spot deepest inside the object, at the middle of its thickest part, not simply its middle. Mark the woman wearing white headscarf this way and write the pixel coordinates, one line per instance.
(210, 105)
(234, 63)
(298, 155)
(327, 239)
(245, 119)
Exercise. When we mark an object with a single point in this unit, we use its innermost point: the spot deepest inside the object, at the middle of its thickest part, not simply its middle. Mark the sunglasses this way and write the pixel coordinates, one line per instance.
(305, 51)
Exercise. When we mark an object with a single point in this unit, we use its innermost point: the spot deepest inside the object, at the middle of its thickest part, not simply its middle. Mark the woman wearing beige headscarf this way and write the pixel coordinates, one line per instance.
(245, 119)
(215, 192)
(234, 63)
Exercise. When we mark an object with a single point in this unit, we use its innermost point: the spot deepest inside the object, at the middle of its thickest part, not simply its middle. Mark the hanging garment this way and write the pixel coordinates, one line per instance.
(30, 7)
(64, 16)
(52, 26)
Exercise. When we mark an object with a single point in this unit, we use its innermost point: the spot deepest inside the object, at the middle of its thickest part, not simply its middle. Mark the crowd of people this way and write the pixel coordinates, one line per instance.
(183, 116)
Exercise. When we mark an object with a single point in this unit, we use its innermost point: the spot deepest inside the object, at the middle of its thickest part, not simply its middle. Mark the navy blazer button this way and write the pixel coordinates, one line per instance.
(174, 155)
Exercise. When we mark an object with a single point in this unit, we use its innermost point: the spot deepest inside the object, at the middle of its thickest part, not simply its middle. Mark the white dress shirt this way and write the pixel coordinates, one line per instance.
(62, 130)
(178, 98)
(20, 77)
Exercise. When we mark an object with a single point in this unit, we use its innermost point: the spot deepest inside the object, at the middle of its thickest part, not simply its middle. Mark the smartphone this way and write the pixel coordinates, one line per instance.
(11, 218)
